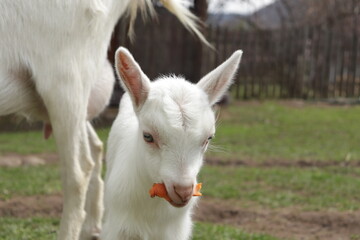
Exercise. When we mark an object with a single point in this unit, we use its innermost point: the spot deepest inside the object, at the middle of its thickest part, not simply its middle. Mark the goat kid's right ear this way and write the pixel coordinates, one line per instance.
(132, 78)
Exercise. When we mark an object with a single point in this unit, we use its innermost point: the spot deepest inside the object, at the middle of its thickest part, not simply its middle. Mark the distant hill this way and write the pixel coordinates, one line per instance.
(289, 13)
(274, 15)
(271, 16)
(231, 21)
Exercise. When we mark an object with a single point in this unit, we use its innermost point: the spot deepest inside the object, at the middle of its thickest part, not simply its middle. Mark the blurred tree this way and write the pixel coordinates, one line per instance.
(200, 9)
(310, 12)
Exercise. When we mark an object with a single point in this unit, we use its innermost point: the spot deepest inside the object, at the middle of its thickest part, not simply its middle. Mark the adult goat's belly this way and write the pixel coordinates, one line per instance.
(18, 95)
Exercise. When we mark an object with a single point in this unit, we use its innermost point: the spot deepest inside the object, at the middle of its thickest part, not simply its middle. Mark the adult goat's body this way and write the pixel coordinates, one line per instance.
(159, 136)
(52, 54)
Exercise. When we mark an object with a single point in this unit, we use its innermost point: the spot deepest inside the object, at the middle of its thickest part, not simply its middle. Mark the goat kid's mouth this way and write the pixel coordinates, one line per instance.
(178, 205)
(177, 200)
(160, 190)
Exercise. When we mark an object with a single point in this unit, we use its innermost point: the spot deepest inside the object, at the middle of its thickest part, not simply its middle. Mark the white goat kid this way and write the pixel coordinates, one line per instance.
(159, 136)
(52, 55)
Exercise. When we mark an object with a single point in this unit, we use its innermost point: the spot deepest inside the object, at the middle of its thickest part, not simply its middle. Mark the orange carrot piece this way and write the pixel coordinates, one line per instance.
(159, 190)
(197, 190)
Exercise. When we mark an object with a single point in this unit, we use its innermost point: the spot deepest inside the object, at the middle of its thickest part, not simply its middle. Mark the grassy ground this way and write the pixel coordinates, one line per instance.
(45, 229)
(257, 131)
(311, 189)
(27, 181)
(307, 189)
(33, 142)
(279, 131)
(254, 132)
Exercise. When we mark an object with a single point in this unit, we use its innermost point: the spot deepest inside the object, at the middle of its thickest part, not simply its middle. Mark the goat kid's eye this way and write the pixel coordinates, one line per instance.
(148, 138)
(208, 140)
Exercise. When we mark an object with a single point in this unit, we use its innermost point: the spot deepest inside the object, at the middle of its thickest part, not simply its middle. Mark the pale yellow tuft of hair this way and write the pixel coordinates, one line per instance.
(189, 20)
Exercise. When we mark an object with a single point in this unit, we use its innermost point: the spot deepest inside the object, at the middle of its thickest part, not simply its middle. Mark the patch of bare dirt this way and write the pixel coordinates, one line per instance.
(281, 163)
(17, 160)
(32, 206)
(288, 223)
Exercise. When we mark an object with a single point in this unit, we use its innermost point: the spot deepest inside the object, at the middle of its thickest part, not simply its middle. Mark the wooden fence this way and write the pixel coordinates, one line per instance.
(311, 62)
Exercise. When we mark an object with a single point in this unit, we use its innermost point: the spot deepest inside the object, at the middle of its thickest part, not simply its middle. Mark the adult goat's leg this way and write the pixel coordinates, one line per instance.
(65, 98)
(94, 200)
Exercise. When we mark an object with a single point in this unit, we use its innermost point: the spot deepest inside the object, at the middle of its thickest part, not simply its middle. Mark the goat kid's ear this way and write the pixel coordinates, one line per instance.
(217, 82)
(132, 78)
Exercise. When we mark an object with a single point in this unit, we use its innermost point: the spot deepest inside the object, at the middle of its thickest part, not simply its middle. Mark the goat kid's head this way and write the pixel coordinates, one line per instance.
(176, 120)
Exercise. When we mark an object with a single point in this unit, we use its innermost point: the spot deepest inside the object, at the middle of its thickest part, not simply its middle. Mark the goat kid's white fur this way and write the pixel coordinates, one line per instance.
(179, 117)
(53, 68)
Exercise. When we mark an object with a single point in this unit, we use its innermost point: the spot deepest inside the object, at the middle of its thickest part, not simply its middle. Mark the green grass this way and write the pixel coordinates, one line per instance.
(274, 131)
(255, 132)
(206, 231)
(308, 189)
(45, 229)
(25, 142)
(26, 181)
(28, 229)
(258, 132)
(33, 142)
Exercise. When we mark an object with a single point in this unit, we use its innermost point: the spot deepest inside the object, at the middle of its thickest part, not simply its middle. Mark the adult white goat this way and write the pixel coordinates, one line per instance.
(52, 53)
(159, 136)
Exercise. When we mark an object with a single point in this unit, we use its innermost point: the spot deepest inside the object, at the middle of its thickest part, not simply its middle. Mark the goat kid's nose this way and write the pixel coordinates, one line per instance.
(184, 192)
